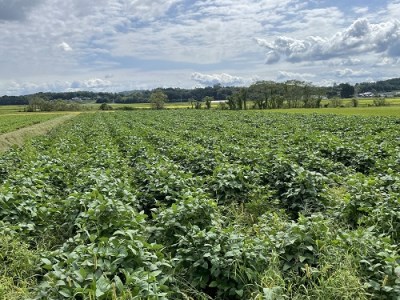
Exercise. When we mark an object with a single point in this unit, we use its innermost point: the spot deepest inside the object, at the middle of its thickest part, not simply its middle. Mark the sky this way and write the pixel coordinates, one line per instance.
(120, 45)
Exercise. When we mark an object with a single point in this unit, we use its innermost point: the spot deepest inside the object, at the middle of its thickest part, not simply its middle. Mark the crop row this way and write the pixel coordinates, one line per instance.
(204, 204)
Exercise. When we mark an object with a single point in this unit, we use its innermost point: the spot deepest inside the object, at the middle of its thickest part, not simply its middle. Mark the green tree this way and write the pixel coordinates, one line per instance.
(197, 105)
(207, 100)
(192, 101)
(35, 103)
(158, 99)
(243, 97)
(232, 103)
(346, 90)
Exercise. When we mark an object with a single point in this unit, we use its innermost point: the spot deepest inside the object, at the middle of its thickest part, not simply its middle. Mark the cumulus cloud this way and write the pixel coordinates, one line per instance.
(223, 79)
(65, 47)
(144, 42)
(16, 10)
(272, 57)
(359, 38)
(91, 84)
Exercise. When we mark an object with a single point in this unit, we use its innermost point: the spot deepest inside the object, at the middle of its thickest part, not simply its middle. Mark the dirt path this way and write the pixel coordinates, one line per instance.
(19, 136)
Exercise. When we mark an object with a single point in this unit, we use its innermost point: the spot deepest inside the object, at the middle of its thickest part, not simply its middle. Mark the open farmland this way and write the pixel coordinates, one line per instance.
(13, 122)
(186, 204)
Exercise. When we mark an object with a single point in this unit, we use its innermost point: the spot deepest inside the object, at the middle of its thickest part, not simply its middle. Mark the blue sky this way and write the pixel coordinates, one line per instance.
(117, 45)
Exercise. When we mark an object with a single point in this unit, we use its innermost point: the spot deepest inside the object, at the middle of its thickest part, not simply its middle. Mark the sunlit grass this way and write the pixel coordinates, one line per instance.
(10, 123)
(365, 107)
(363, 111)
(10, 109)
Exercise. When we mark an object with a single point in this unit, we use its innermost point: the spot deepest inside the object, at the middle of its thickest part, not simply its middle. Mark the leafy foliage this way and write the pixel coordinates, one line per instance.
(205, 205)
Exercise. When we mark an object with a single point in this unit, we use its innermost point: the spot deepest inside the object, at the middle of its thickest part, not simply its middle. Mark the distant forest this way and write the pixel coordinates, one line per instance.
(218, 92)
(139, 96)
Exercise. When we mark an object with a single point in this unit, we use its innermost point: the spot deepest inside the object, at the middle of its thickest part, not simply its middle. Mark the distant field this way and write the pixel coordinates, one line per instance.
(365, 107)
(173, 105)
(13, 122)
(9, 109)
(362, 111)
(366, 102)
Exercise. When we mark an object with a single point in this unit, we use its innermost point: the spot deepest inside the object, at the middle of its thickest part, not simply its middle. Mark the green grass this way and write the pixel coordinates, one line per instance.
(171, 105)
(10, 123)
(365, 107)
(11, 109)
(362, 111)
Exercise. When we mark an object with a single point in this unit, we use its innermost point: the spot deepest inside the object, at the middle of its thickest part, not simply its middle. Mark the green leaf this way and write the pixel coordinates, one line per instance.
(311, 248)
(46, 261)
(102, 286)
(66, 293)
(213, 284)
(302, 258)
(286, 266)
(118, 283)
(239, 292)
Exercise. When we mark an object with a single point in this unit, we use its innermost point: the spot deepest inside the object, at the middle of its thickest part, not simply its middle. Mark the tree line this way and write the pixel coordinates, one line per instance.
(264, 94)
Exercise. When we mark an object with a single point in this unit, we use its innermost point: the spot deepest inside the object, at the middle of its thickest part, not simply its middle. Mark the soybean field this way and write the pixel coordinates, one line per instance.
(196, 204)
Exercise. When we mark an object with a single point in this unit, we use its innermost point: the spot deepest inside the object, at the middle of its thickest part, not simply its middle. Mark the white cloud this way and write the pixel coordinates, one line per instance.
(388, 62)
(359, 38)
(361, 10)
(91, 84)
(53, 44)
(283, 75)
(149, 10)
(351, 73)
(65, 47)
(393, 9)
(309, 22)
(223, 79)
(25, 88)
(345, 62)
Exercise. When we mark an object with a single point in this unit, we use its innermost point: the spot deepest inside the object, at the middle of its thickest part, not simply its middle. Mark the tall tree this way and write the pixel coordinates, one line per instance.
(346, 90)
(158, 99)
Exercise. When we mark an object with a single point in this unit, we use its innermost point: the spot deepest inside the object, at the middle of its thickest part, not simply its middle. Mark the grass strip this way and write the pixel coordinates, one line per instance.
(20, 136)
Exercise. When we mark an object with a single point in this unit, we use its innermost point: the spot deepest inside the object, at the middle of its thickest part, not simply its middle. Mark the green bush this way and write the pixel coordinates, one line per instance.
(379, 101)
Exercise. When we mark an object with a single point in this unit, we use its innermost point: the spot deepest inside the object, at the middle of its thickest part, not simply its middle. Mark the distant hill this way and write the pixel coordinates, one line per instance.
(382, 86)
